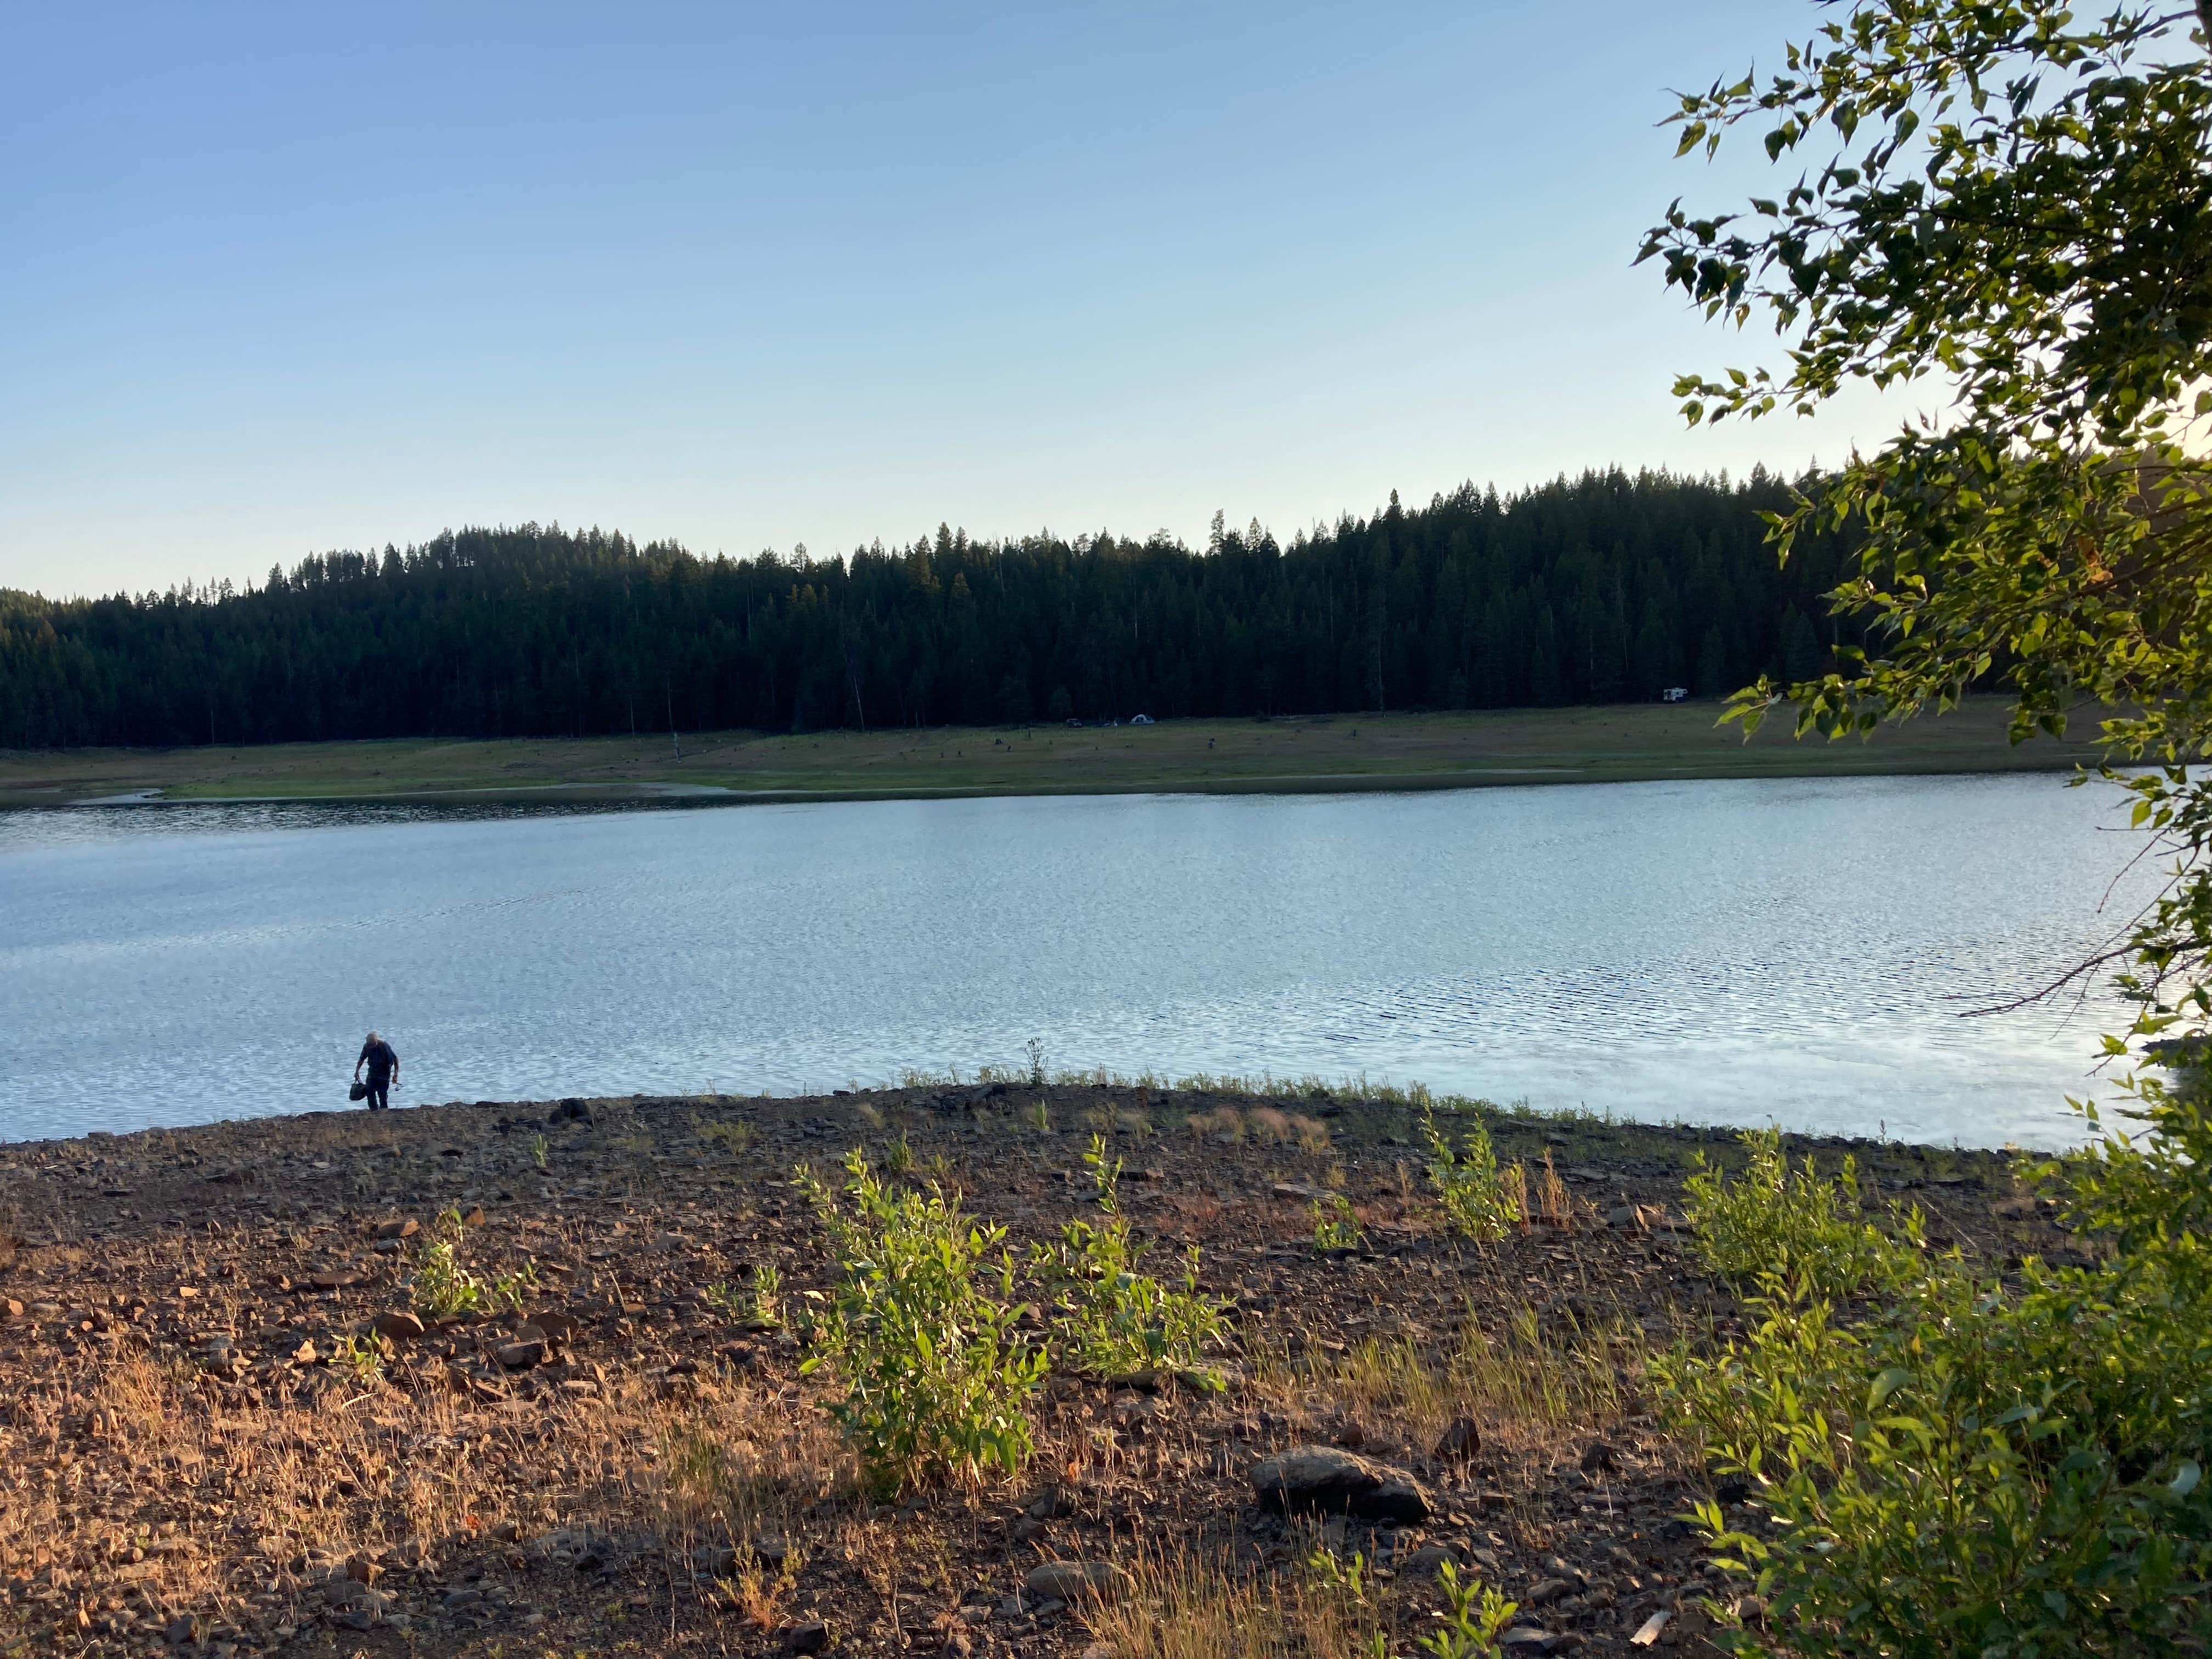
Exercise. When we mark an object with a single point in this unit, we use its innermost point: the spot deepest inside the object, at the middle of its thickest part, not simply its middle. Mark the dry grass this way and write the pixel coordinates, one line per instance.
(1531, 1387)
(1179, 1605)
(141, 1475)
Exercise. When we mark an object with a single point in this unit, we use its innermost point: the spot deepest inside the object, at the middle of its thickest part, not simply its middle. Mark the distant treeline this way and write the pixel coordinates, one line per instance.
(1603, 588)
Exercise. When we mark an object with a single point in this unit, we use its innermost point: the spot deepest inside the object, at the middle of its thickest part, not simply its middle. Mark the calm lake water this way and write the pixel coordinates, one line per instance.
(1718, 951)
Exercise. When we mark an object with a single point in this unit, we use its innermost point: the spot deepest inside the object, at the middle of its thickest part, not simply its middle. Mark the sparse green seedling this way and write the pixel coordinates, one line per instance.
(1474, 1615)
(758, 1304)
(1041, 1117)
(363, 1356)
(538, 1151)
(1335, 1226)
(1343, 1576)
(920, 1332)
(898, 1157)
(1480, 1200)
(732, 1136)
(765, 1298)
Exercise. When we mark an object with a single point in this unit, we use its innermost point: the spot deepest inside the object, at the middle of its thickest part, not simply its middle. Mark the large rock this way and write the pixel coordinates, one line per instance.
(1327, 1478)
(1071, 1581)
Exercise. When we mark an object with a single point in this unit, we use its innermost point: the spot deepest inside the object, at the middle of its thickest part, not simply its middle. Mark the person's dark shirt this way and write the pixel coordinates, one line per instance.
(381, 1060)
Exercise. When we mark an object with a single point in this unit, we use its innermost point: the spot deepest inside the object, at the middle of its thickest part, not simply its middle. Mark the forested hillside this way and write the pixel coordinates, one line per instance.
(1602, 588)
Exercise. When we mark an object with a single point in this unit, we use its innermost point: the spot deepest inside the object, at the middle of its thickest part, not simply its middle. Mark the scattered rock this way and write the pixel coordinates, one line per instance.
(812, 1637)
(401, 1227)
(1648, 1632)
(1134, 1413)
(1462, 1441)
(400, 1324)
(1327, 1478)
(1545, 1589)
(1524, 1639)
(1600, 1458)
(558, 1326)
(1429, 1560)
(521, 1355)
(1071, 1581)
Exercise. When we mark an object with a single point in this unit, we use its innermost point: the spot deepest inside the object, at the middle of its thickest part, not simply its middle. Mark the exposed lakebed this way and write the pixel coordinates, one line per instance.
(1722, 951)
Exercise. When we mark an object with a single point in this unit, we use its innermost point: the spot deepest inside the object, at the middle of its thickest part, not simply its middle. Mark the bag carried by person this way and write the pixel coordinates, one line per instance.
(359, 1091)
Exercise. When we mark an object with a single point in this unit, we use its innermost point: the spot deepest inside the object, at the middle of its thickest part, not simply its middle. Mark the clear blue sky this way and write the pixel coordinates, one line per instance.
(275, 279)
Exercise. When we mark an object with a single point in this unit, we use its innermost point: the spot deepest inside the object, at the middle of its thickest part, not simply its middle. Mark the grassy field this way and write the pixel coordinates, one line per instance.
(1358, 751)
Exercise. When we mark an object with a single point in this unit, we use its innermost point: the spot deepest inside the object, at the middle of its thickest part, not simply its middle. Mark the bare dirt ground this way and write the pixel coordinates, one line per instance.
(206, 1446)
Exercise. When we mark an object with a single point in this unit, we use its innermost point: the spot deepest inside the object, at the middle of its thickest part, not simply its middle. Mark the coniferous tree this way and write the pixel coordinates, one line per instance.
(1608, 586)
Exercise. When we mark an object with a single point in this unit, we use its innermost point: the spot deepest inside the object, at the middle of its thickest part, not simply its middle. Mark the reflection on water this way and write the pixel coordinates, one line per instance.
(1720, 951)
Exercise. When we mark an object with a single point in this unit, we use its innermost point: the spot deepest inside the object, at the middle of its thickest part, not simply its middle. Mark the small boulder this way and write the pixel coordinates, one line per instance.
(557, 1326)
(1050, 1504)
(1329, 1479)
(521, 1355)
(399, 1227)
(812, 1637)
(1429, 1560)
(400, 1325)
(1071, 1581)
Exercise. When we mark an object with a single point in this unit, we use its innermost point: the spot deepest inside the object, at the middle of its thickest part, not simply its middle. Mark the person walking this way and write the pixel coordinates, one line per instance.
(383, 1071)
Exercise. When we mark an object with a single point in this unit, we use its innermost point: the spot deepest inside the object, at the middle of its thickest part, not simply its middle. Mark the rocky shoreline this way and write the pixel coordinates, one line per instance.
(228, 1426)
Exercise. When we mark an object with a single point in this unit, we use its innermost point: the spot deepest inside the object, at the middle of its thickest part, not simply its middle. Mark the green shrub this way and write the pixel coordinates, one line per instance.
(920, 1332)
(1111, 1318)
(443, 1288)
(1973, 1465)
(1479, 1201)
(1792, 1225)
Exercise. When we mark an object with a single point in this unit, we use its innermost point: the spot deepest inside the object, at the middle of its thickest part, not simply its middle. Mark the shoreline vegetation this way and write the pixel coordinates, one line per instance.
(585, 1375)
(1284, 755)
